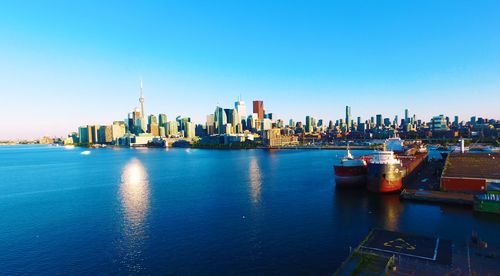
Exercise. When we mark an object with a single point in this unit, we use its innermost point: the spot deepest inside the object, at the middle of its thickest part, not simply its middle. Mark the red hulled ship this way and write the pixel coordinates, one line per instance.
(351, 172)
(389, 168)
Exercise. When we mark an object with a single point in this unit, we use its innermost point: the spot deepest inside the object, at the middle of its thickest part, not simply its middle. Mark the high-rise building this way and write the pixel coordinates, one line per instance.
(361, 127)
(153, 128)
(455, 121)
(182, 122)
(172, 128)
(189, 131)
(291, 123)
(407, 118)
(241, 109)
(330, 125)
(84, 134)
(104, 135)
(210, 125)
(162, 119)
(379, 120)
(220, 120)
(387, 122)
(348, 117)
(117, 130)
(229, 115)
(153, 125)
(258, 107)
(152, 119)
(252, 122)
(309, 124)
(438, 123)
(233, 118)
(279, 123)
(89, 134)
(162, 131)
(269, 116)
(267, 124)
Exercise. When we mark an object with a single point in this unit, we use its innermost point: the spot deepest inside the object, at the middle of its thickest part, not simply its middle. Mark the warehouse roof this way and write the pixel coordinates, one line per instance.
(473, 165)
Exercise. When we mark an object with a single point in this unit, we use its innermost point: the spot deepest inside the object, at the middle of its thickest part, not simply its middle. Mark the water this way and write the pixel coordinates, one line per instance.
(189, 211)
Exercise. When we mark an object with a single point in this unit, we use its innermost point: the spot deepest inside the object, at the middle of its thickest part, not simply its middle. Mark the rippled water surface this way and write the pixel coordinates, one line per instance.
(189, 211)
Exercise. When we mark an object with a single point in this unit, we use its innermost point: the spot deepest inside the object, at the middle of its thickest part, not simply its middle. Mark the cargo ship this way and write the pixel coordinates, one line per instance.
(388, 169)
(351, 172)
(489, 203)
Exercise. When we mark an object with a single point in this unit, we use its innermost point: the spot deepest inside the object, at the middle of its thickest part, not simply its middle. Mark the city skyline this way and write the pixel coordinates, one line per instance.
(61, 70)
(347, 113)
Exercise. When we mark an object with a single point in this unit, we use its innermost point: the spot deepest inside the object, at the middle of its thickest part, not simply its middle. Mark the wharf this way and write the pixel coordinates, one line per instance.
(426, 184)
(385, 252)
(437, 196)
(396, 253)
(427, 176)
(323, 147)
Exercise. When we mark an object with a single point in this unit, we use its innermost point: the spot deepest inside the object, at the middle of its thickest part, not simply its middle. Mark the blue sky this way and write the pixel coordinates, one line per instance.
(69, 63)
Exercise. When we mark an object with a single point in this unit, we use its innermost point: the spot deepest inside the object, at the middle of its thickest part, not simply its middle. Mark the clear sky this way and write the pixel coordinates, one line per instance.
(68, 63)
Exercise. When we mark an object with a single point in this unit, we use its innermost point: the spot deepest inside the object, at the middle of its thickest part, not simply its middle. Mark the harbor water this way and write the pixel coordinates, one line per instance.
(197, 212)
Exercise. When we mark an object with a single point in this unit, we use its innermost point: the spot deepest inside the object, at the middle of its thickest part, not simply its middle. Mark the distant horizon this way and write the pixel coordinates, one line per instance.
(70, 64)
(249, 111)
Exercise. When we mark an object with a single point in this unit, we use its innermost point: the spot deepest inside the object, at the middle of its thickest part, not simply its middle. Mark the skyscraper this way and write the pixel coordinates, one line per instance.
(309, 124)
(152, 119)
(407, 118)
(220, 119)
(241, 109)
(210, 124)
(258, 107)
(162, 119)
(153, 125)
(379, 120)
(348, 117)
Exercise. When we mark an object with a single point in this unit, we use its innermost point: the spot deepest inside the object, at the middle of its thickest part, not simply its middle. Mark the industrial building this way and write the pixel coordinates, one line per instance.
(471, 172)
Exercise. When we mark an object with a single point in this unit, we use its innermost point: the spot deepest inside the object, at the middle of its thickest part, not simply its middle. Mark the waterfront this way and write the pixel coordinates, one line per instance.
(194, 211)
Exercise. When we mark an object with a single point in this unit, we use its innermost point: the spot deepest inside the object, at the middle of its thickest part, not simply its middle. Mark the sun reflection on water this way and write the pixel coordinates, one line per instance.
(392, 209)
(134, 194)
(255, 180)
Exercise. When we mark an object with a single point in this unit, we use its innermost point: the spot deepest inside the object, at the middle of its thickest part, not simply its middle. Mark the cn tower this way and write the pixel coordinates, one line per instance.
(141, 100)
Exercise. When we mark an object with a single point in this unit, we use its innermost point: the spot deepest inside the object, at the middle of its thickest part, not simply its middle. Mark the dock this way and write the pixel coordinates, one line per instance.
(437, 196)
(384, 252)
(395, 253)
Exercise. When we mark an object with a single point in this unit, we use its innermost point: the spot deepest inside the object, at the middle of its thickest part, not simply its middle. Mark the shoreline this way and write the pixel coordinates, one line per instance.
(228, 147)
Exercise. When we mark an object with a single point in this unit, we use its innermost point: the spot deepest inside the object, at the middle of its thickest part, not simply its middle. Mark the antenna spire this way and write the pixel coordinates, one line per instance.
(141, 100)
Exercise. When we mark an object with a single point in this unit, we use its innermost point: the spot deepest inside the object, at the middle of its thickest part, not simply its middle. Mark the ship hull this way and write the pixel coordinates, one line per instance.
(350, 176)
(385, 178)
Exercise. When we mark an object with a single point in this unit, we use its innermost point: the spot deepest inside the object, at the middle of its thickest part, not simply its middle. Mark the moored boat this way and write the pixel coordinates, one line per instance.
(351, 172)
(389, 169)
(385, 173)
